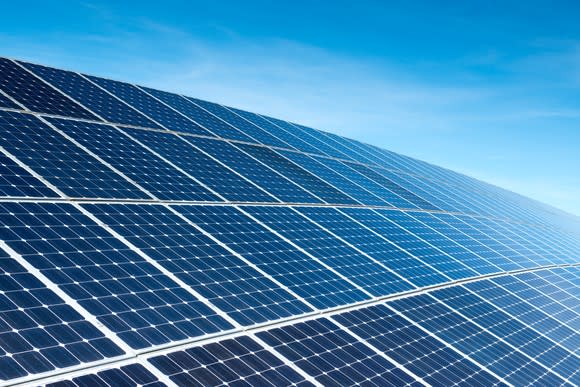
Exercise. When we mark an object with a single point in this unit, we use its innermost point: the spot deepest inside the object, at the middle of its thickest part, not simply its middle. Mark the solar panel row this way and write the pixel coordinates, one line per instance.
(135, 222)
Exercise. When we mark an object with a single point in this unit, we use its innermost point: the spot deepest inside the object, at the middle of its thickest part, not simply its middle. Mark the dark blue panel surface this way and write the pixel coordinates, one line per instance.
(358, 268)
(334, 178)
(132, 375)
(475, 342)
(130, 296)
(151, 107)
(400, 197)
(228, 282)
(270, 181)
(91, 96)
(215, 176)
(149, 171)
(318, 139)
(333, 356)
(521, 337)
(236, 362)
(216, 125)
(430, 359)
(36, 95)
(16, 181)
(62, 163)
(401, 232)
(39, 332)
(244, 126)
(6, 102)
(311, 183)
(404, 262)
(284, 262)
(527, 313)
(288, 133)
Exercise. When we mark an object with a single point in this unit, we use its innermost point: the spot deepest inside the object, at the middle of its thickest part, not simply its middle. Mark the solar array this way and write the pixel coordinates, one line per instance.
(149, 238)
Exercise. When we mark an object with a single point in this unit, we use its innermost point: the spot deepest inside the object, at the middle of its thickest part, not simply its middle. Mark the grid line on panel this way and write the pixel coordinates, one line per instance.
(157, 265)
(478, 318)
(223, 277)
(129, 295)
(36, 94)
(98, 158)
(332, 312)
(90, 96)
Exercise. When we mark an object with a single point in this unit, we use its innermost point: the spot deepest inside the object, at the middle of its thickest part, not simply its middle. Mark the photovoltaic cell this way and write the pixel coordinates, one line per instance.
(298, 175)
(457, 261)
(131, 375)
(15, 181)
(521, 288)
(91, 96)
(284, 262)
(149, 171)
(430, 359)
(149, 106)
(218, 127)
(332, 177)
(317, 139)
(241, 124)
(527, 313)
(277, 185)
(200, 166)
(288, 133)
(223, 278)
(409, 264)
(39, 332)
(528, 341)
(36, 95)
(475, 342)
(62, 163)
(6, 102)
(126, 293)
(360, 269)
(235, 362)
(333, 357)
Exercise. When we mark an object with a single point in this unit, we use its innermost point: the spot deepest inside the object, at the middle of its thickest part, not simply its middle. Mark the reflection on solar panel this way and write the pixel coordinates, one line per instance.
(152, 239)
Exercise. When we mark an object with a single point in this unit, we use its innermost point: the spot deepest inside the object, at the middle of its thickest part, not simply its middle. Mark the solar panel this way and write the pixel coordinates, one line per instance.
(150, 239)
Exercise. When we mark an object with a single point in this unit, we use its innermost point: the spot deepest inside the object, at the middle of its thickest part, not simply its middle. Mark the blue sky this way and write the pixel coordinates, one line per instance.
(491, 89)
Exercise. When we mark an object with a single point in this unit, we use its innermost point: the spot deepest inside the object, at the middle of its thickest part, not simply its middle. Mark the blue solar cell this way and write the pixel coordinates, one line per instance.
(39, 332)
(126, 293)
(151, 107)
(6, 102)
(400, 197)
(358, 268)
(525, 287)
(528, 341)
(288, 133)
(132, 375)
(36, 95)
(260, 174)
(217, 126)
(524, 311)
(62, 163)
(319, 140)
(407, 263)
(244, 126)
(213, 175)
(224, 279)
(540, 280)
(334, 178)
(284, 262)
(426, 243)
(477, 343)
(429, 358)
(15, 181)
(333, 357)
(238, 362)
(149, 171)
(91, 96)
(318, 187)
